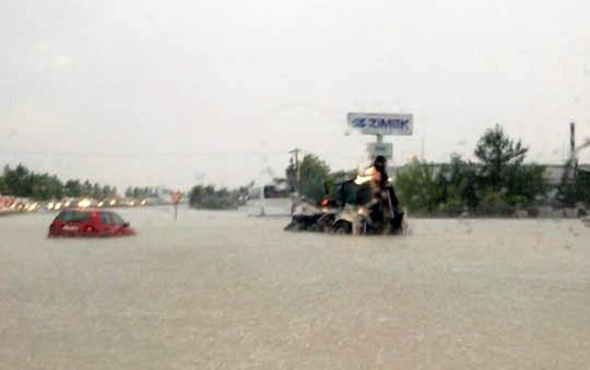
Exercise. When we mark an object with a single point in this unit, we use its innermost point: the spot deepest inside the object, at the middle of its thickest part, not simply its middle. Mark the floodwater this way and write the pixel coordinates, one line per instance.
(218, 290)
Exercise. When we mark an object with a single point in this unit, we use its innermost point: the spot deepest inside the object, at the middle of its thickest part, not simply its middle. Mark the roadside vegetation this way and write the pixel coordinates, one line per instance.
(24, 183)
(208, 197)
(497, 182)
(316, 179)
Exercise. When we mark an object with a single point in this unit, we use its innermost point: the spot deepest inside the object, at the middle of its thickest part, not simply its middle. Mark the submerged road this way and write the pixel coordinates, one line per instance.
(222, 291)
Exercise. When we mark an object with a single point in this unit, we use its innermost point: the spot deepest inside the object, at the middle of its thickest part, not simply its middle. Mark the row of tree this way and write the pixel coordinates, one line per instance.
(208, 197)
(21, 182)
(465, 186)
(496, 182)
(139, 192)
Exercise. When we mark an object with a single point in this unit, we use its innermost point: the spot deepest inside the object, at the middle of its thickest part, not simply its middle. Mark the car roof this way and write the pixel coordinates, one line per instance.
(85, 210)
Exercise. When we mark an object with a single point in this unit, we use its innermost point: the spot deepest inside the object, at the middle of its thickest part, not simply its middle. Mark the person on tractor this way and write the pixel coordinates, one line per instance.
(385, 204)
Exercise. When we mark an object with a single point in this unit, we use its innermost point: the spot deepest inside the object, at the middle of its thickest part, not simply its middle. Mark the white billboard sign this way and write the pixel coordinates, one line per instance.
(382, 124)
(384, 149)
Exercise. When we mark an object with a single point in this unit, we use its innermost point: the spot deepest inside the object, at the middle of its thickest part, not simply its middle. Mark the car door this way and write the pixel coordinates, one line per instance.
(117, 223)
(108, 225)
(75, 223)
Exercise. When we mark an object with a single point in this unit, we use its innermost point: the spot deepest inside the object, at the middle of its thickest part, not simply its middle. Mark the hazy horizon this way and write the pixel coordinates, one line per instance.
(183, 92)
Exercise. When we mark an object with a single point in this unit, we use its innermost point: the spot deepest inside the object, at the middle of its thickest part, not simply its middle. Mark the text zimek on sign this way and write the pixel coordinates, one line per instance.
(382, 124)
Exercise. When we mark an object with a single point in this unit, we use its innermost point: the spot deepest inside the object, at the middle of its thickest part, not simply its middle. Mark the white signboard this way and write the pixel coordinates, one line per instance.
(382, 124)
(384, 149)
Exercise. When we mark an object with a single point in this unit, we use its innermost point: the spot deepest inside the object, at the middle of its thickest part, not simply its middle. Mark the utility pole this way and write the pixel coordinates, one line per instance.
(295, 152)
(574, 160)
(295, 198)
(573, 154)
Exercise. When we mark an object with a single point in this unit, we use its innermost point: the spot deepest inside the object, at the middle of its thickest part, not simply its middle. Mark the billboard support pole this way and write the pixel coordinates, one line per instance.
(381, 124)
(379, 142)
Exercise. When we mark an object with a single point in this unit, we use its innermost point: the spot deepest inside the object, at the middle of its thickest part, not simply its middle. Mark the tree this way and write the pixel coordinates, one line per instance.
(45, 187)
(96, 191)
(73, 189)
(196, 195)
(18, 181)
(87, 188)
(207, 197)
(313, 177)
(418, 188)
(491, 202)
(462, 184)
(56, 187)
(497, 152)
(22, 182)
(574, 186)
(524, 184)
(107, 191)
(504, 180)
(3, 187)
(39, 186)
(583, 185)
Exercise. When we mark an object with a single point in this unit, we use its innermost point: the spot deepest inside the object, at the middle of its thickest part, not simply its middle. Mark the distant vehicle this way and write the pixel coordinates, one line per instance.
(89, 223)
(270, 199)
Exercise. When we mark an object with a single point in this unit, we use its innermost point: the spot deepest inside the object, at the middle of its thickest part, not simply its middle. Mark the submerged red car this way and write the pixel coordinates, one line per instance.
(89, 223)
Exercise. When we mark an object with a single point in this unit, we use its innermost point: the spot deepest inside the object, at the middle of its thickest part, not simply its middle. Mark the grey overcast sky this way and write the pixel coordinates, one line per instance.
(177, 92)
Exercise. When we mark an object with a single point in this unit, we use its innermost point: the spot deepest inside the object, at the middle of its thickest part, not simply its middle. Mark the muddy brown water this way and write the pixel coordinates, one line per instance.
(219, 290)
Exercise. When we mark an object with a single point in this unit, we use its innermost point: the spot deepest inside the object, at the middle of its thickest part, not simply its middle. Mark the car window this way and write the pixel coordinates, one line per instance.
(73, 216)
(63, 216)
(105, 218)
(116, 219)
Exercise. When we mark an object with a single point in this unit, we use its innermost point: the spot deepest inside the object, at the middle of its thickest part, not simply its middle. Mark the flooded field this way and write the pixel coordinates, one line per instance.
(222, 291)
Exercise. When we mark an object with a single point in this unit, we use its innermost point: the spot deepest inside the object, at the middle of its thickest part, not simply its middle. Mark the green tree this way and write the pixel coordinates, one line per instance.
(574, 189)
(583, 186)
(461, 186)
(418, 189)
(207, 197)
(56, 187)
(73, 189)
(39, 186)
(46, 187)
(496, 152)
(18, 181)
(524, 184)
(106, 191)
(491, 202)
(87, 188)
(3, 187)
(313, 177)
(96, 191)
(196, 195)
